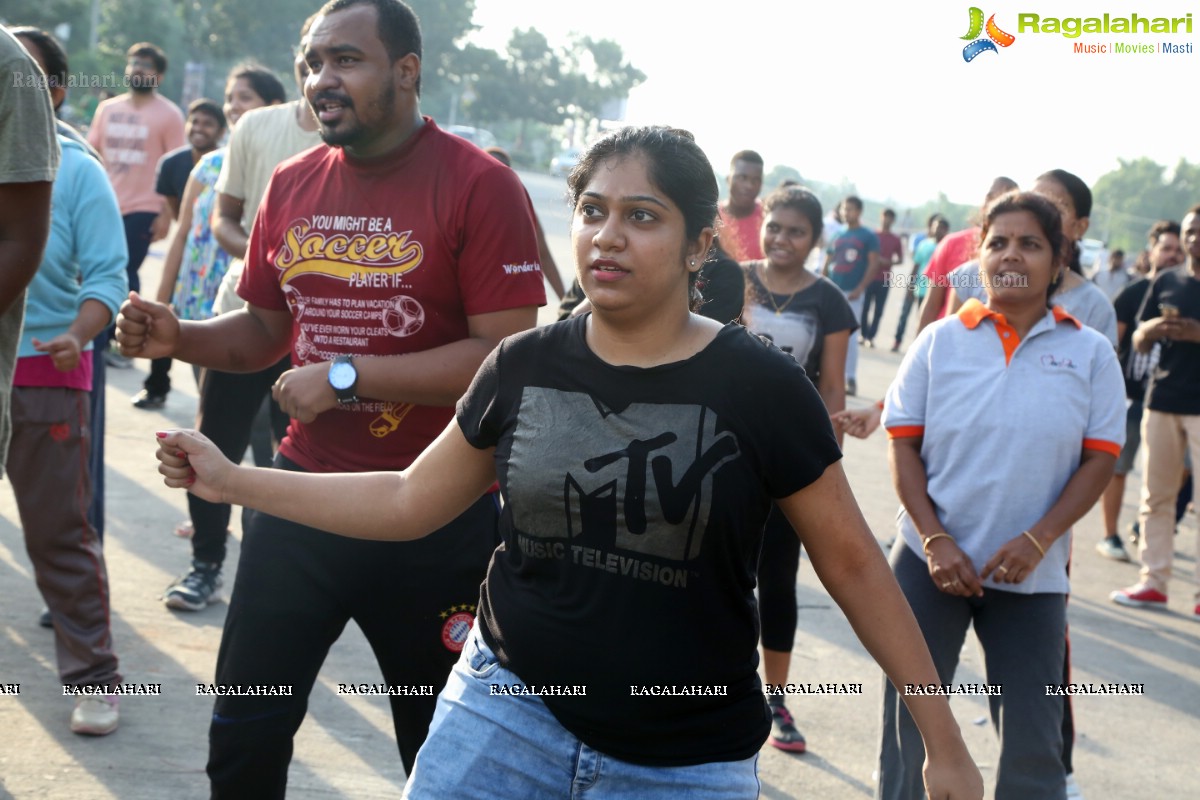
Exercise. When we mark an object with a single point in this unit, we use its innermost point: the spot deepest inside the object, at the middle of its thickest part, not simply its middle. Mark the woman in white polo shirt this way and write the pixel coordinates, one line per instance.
(992, 475)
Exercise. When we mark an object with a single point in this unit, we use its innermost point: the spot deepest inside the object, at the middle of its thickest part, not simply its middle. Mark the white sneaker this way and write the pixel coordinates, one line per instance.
(1073, 792)
(95, 716)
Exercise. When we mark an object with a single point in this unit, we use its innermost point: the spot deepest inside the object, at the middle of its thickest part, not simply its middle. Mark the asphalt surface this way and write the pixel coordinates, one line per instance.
(1129, 747)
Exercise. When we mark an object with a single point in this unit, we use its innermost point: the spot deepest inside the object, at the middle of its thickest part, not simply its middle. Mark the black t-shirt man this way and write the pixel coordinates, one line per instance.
(1175, 381)
(634, 502)
(173, 171)
(1128, 304)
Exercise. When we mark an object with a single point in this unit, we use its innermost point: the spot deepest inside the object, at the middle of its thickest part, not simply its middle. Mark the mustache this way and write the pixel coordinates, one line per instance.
(332, 97)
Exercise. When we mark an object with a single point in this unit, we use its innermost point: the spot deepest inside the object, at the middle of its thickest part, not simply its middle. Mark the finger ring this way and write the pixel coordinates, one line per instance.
(947, 585)
(1002, 568)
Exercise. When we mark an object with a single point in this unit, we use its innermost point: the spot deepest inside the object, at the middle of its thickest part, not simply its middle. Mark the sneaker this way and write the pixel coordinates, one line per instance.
(1139, 596)
(1135, 532)
(851, 387)
(117, 361)
(783, 731)
(1196, 613)
(95, 716)
(194, 591)
(148, 401)
(1073, 792)
(896, 346)
(45, 620)
(1111, 547)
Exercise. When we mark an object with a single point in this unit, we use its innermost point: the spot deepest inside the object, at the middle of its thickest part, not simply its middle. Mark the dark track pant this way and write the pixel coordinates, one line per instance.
(1023, 639)
(296, 588)
(874, 299)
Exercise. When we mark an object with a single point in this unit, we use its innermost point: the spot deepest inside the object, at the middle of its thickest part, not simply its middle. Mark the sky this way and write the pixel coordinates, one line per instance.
(878, 93)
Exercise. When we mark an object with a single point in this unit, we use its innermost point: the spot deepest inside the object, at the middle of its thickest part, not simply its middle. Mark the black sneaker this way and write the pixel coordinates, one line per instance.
(194, 591)
(45, 620)
(851, 387)
(783, 731)
(148, 401)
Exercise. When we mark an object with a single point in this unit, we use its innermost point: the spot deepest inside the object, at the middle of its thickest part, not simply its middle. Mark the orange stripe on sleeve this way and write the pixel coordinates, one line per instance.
(905, 431)
(1112, 448)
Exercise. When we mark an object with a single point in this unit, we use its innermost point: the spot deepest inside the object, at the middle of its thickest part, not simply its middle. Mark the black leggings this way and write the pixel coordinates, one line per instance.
(777, 568)
(229, 403)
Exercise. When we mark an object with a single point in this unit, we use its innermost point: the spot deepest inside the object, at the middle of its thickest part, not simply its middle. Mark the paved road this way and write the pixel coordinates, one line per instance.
(1129, 747)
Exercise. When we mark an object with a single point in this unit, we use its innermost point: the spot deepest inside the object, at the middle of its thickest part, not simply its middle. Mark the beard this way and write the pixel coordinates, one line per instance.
(142, 84)
(349, 133)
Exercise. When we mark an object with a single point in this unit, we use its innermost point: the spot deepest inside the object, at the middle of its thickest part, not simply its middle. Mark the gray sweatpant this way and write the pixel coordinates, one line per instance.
(1023, 637)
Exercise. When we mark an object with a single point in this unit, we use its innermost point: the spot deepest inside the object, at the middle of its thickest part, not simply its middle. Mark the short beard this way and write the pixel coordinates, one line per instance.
(384, 103)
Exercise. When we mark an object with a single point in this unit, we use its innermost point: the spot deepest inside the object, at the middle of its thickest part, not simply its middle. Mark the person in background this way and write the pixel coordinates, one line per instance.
(1171, 425)
(205, 128)
(742, 213)
(78, 287)
(891, 254)
(917, 286)
(852, 266)
(807, 317)
(1112, 280)
(967, 555)
(1165, 252)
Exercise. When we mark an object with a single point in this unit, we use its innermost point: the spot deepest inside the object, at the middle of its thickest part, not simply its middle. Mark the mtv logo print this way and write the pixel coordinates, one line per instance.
(638, 480)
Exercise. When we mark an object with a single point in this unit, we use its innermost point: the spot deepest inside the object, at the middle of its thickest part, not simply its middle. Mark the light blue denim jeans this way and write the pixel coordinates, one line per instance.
(498, 747)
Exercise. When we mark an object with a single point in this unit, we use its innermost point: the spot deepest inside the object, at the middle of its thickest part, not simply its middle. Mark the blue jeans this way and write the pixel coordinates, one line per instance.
(484, 746)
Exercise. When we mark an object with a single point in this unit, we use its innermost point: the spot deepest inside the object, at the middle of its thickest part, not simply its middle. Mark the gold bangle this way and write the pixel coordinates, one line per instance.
(925, 542)
(1036, 543)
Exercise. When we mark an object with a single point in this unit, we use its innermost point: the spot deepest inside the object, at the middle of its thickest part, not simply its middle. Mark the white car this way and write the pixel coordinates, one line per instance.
(480, 137)
(562, 164)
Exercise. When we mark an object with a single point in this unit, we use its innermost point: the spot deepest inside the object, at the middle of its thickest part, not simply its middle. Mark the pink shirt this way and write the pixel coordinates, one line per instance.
(132, 139)
(741, 237)
(952, 252)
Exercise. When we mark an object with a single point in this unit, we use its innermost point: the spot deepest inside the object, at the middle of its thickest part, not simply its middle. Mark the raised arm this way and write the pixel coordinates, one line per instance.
(443, 482)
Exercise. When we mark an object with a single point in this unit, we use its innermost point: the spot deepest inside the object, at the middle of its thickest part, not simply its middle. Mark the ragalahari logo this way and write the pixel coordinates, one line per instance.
(979, 45)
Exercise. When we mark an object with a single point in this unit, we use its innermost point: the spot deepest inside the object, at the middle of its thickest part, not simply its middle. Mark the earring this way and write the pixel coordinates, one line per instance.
(693, 262)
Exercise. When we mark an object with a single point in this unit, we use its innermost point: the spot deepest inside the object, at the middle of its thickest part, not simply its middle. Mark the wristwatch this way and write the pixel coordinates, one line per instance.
(343, 377)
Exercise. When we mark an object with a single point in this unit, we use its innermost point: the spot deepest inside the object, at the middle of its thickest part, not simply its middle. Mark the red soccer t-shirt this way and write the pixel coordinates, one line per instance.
(386, 257)
(952, 252)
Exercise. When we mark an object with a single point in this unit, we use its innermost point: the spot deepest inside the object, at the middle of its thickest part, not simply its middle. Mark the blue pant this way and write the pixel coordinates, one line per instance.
(484, 746)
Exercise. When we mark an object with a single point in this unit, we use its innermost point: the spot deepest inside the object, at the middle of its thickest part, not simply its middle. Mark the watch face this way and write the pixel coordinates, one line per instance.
(342, 375)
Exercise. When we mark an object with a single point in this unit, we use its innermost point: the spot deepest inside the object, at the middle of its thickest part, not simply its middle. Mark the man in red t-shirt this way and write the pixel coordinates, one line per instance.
(391, 262)
(742, 215)
(952, 252)
(891, 253)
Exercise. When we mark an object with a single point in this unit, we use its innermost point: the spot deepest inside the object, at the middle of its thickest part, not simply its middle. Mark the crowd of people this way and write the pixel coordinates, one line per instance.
(494, 503)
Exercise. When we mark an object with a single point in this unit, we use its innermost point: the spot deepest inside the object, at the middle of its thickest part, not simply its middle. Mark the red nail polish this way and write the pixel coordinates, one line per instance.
(161, 434)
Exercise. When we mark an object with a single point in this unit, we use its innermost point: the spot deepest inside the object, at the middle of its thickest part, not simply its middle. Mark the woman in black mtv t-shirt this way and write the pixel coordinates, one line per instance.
(809, 318)
(638, 450)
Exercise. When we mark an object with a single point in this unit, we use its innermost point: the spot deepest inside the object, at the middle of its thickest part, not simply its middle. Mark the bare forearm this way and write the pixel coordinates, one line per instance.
(233, 342)
(230, 235)
(92, 318)
(357, 505)
(912, 487)
(1077, 497)
(436, 377)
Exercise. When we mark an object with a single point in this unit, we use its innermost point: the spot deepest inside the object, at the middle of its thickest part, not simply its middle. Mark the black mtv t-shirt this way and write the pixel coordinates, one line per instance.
(1175, 382)
(634, 502)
